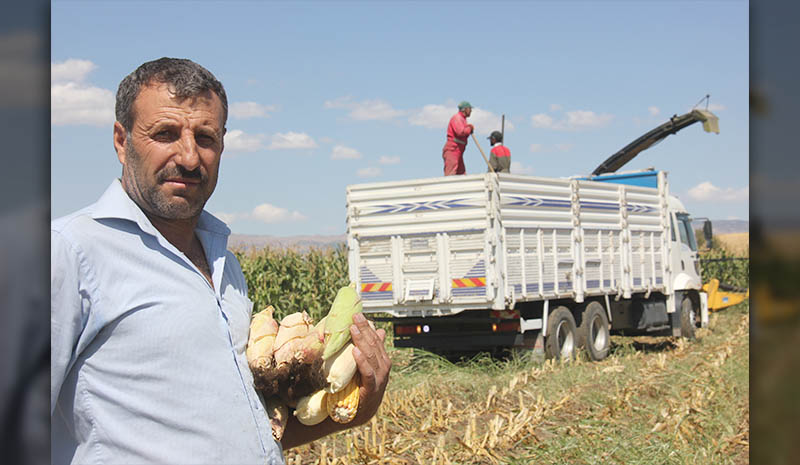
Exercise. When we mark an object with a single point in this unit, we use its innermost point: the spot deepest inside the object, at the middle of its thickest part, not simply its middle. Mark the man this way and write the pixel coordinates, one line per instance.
(149, 311)
(458, 130)
(500, 156)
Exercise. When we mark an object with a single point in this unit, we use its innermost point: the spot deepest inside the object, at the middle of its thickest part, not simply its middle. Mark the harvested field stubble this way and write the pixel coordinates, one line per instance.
(677, 402)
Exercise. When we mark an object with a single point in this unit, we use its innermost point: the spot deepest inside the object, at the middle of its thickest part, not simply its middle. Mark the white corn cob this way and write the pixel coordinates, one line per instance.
(289, 340)
(340, 368)
(312, 409)
(263, 330)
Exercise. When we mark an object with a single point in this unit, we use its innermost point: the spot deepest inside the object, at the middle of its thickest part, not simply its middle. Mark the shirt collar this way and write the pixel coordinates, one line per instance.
(115, 203)
(496, 144)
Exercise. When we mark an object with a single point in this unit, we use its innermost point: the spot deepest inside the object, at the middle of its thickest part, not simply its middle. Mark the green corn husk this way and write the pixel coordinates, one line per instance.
(337, 324)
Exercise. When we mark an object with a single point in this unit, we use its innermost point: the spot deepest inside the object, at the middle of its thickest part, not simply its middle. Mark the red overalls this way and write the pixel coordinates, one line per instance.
(453, 151)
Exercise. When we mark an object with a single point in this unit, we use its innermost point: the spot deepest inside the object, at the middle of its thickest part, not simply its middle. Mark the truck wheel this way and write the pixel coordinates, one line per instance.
(593, 333)
(560, 341)
(688, 316)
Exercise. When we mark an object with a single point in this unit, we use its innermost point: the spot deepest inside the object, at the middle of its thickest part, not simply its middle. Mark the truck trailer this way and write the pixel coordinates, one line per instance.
(489, 261)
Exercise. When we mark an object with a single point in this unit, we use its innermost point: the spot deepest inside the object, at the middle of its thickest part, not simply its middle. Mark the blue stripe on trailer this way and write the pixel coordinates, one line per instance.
(469, 291)
(419, 206)
(385, 295)
(528, 288)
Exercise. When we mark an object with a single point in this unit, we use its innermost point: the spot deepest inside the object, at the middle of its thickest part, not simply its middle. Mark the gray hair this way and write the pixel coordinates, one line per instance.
(185, 78)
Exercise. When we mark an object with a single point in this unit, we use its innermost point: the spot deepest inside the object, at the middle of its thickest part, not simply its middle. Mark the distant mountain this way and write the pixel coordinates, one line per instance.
(300, 243)
(303, 243)
(726, 226)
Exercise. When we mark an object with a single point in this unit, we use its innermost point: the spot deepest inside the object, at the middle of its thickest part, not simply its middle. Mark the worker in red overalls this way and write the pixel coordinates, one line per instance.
(457, 132)
(500, 158)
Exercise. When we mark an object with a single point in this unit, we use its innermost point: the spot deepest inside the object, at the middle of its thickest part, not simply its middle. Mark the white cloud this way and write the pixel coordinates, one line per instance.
(706, 191)
(485, 122)
(73, 103)
(541, 120)
(237, 140)
(555, 107)
(519, 168)
(387, 160)
(365, 110)
(340, 152)
(369, 172)
(654, 110)
(436, 116)
(432, 116)
(292, 140)
(244, 110)
(72, 70)
(73, 100)
(576, 120)
(265, 213)
(566, 147)
(580, 119)
(536, 148)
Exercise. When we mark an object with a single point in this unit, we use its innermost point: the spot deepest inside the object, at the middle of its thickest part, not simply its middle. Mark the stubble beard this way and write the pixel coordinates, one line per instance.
(151, 198)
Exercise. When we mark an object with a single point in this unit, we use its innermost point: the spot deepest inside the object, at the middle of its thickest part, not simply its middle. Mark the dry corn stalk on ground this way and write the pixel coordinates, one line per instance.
(654, 400)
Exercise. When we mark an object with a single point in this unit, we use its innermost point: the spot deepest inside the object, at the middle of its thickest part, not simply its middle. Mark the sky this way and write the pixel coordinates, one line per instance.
(323, 95)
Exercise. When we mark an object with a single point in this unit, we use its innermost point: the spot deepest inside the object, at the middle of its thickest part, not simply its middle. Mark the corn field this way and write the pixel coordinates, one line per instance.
(292, 281)
(725, 266)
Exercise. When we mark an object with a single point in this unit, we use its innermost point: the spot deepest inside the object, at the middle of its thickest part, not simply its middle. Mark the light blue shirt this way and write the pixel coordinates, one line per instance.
(148, 360)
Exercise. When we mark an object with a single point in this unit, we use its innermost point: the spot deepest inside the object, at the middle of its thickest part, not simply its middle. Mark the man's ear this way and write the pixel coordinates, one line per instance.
(120, 136)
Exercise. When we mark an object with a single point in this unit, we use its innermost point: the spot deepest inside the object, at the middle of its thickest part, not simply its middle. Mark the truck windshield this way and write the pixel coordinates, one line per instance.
(686, 231)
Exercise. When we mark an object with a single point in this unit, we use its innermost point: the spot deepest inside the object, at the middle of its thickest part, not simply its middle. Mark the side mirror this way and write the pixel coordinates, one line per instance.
(707, 232)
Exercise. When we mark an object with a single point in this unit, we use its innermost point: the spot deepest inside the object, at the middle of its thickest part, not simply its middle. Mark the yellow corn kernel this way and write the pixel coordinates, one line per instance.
(343, 405)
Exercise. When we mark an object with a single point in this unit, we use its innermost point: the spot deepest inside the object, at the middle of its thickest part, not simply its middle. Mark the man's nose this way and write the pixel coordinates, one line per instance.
(188, 155)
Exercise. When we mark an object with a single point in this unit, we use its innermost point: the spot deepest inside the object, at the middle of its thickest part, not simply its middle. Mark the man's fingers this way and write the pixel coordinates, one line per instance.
(365, 369)
(372, 359)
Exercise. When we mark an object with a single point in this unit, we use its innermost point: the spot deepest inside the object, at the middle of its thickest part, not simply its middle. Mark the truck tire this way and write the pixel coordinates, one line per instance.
(561, 335)
(688, 316)
(593, 333)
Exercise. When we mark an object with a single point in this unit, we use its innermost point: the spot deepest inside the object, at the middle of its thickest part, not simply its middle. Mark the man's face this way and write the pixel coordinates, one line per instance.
(467, 111)
(171, 155)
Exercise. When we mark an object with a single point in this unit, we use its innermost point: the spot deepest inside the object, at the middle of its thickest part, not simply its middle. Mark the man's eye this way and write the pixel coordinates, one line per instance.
(205, 140)
(165, 135)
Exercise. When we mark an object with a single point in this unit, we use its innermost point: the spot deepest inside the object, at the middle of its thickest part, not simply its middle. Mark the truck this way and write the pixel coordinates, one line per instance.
(506, 261)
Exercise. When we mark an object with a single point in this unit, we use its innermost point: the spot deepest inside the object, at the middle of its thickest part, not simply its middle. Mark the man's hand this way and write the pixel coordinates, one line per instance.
(373, 366)
(471, 128)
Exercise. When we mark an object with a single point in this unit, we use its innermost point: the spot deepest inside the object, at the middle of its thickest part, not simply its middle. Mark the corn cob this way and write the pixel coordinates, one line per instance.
(343, 405)
(337, 323)
(263, 329)
(340, 368)
(312, 409)
(289, 340)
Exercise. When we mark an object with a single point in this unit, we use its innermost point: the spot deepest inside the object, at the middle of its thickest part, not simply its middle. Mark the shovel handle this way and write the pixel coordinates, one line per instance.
(484, 155)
